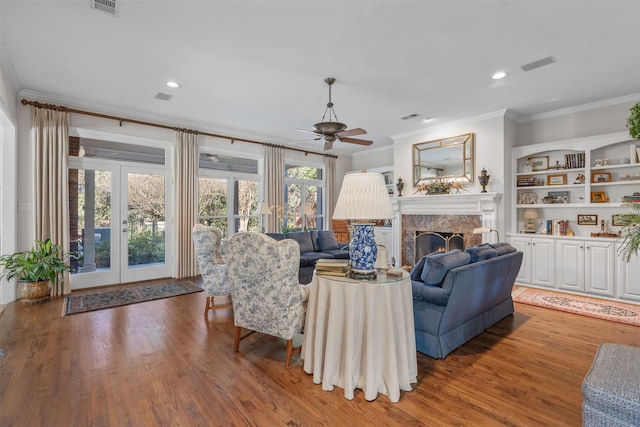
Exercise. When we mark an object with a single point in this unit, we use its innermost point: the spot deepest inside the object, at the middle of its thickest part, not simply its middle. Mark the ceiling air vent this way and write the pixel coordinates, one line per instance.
(108, 6)
(539, 63)
(163, 96)
(410, 116)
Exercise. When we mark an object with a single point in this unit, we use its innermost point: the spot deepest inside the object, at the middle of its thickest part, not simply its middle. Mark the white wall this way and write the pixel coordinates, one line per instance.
(489, 153)
(577, 123)
(372, 157)
(8, 186)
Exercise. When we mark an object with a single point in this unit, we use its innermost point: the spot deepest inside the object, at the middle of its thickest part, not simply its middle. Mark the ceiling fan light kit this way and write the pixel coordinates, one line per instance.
(333, 129)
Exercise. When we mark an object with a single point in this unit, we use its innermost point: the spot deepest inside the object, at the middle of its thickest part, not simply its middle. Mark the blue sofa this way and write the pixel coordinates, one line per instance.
(457, 295)
(314, 245)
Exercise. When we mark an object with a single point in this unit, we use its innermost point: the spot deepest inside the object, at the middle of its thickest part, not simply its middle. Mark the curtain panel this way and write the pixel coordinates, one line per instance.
(50, 134)
(274, 177)
(330, 179)
(185, 201)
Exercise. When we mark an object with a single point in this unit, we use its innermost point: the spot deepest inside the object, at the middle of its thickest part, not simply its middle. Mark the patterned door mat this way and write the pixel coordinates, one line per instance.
(577, 304)
(99, 300)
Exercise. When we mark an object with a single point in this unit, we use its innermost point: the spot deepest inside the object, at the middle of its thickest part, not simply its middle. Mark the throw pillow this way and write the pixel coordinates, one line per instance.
(304, 240)
(480, 253)
(327, 240)
(438, 264)
(503, 248)
(416, 271)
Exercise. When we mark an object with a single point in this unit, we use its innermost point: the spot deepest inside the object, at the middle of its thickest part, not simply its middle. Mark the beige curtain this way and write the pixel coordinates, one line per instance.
(51, 182)
(274, 176)
(185, 201)
(330, 179)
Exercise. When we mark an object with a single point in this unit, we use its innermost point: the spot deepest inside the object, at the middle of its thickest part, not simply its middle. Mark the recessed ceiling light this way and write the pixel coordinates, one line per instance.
(173, 85)
(499, 75)
(427, 119)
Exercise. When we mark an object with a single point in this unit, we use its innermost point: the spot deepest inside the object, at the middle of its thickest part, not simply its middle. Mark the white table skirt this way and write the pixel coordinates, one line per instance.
(361, 335)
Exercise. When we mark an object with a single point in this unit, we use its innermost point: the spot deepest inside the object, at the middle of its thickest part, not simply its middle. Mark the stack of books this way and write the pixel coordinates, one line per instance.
(332, 267)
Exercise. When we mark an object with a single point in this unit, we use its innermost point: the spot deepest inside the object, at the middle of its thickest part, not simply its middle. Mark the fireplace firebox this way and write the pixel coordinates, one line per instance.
(426, 242)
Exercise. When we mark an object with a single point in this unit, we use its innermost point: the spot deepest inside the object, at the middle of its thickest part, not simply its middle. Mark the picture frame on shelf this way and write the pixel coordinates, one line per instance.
(527, 198)
(540, 163)
(587, 219)
(557, 179)
(598, 197)
(617, 220)
(600, 177)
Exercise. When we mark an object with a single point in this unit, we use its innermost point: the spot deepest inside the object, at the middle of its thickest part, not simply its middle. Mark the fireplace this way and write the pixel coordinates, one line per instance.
(451, 213)
(426, 242)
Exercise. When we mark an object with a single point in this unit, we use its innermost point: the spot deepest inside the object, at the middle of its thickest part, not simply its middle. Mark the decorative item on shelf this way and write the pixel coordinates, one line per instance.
(526, 181)
(579, 179)
(364, 197)
(531, 220)
(458, 187)
(598, 163)
(556, 197)
(628, 177)
(557, 179)
(527, 167)
(483, 179)
(527, 198)
(634, 198)
(633, 121)
(600, 177)
(558, 166)
(540, 163)
(599, 197)
(587, 219)
(400, 186)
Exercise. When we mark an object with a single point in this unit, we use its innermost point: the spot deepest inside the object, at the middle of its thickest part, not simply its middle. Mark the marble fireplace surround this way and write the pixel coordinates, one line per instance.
(448, 213)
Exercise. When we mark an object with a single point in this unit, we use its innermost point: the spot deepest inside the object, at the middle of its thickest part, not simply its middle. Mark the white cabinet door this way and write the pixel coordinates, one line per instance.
(570, 265)
(543, 261)
(628, 277)
(523, 244)
(599, 268)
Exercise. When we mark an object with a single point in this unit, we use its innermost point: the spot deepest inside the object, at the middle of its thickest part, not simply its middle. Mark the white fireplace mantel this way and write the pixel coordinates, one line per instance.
(483, 204)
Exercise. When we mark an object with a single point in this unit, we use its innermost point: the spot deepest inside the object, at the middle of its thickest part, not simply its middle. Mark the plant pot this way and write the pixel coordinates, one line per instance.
(34, 292)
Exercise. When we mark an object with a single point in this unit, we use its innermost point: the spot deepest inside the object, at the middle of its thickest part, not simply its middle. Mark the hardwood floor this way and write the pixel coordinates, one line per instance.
(160, 363)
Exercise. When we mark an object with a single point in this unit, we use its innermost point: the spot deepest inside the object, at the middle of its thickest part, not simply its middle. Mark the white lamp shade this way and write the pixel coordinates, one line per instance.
(530, 214)
(363, 196)
(264, 209)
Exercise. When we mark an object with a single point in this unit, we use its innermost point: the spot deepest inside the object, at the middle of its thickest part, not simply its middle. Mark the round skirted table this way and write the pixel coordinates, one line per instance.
(360, 334)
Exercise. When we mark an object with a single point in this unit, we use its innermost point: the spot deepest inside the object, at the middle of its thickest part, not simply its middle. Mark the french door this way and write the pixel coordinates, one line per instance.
(120, 223)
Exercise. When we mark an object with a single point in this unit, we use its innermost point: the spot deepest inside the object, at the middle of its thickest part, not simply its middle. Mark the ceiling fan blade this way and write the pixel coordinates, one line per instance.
(298, 141)
(352, 132)
(356, 141)
(310, 131)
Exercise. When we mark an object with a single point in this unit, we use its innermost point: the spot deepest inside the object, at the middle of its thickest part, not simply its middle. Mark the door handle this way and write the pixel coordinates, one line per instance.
(124, 230)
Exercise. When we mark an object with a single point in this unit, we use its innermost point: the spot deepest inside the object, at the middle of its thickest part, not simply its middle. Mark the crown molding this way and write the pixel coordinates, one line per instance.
(584, 107)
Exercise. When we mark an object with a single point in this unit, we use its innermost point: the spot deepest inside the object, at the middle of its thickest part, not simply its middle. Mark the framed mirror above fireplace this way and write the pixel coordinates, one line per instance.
(449, 159)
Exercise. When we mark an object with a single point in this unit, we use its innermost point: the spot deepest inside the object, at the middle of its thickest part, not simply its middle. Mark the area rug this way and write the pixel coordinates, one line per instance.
(99, 300)
(593, 307)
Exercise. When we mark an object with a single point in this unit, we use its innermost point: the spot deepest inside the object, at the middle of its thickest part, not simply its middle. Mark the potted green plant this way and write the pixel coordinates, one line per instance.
(35, 269)
(633, 121)
(630, 233)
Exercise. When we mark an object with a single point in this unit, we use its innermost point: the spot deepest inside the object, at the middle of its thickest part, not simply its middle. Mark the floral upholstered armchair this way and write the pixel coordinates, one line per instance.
(267, 297)
(208, 242)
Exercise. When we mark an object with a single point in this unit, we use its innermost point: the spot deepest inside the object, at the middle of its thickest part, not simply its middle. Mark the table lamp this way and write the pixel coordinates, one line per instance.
(363, 197)
(531, 220)
(264, 210)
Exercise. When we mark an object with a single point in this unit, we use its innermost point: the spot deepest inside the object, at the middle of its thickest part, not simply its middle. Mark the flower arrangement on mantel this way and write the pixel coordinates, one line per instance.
(436, 187)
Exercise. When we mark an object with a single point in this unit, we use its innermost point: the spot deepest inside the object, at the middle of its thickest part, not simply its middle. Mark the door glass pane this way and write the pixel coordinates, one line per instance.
(246, 205)
(90, 219)
(212, 203)
(146, 216)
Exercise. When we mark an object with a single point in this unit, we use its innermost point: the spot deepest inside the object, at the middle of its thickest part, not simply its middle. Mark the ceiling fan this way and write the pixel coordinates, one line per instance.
(331, 130)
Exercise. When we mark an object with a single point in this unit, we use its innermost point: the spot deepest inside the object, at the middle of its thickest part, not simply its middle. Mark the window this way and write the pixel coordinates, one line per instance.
(304, 189)
(228, 193)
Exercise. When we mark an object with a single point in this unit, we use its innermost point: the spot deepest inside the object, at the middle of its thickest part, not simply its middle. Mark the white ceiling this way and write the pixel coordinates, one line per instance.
(256, 69)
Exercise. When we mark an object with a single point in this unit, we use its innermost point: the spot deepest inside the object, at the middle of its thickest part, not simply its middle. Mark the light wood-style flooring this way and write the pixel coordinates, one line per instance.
(160, 363)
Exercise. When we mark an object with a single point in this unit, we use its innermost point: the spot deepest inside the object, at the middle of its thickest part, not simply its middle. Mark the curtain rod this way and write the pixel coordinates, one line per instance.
(140, 122)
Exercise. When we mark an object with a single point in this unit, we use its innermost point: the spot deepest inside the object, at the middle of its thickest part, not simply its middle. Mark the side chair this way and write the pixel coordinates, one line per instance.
(267, 297)
(208, 243)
